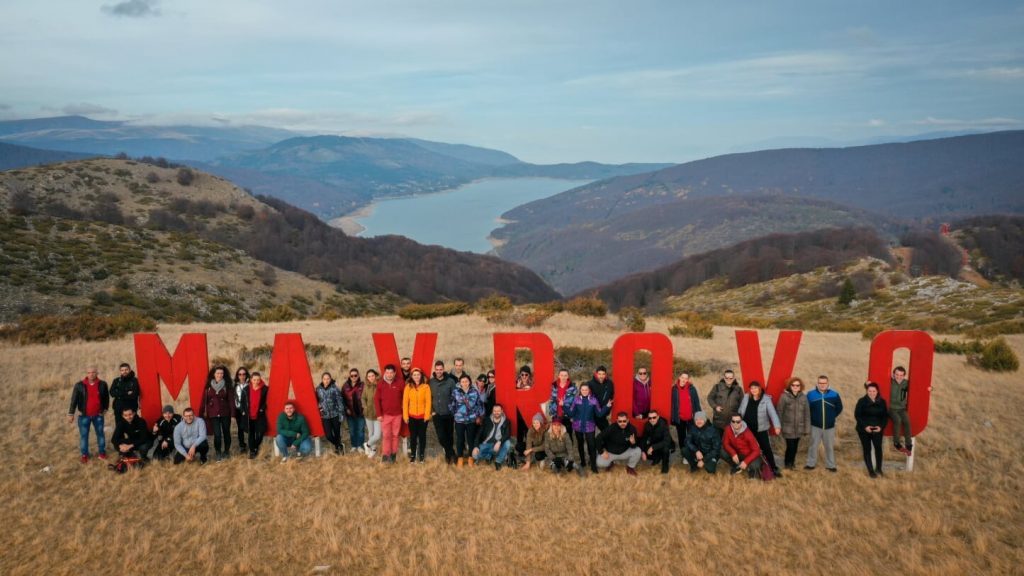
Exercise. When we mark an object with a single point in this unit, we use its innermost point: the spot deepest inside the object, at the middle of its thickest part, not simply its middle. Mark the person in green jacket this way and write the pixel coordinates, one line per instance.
(292, 430)
(898, 392)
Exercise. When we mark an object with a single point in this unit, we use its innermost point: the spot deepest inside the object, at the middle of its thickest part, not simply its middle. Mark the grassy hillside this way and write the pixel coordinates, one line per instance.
(956, 513)
(13, 156)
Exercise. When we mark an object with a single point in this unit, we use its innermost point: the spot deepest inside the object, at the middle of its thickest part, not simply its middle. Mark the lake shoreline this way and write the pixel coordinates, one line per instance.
(349, 223)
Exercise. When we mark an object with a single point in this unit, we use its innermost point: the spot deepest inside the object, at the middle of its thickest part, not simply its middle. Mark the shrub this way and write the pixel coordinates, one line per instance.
(494, 303)
(694, 329)
(268, 276)
(185, 176)
(280, 313)
(584, 306)
(422, 311)
(871, 330)
(996, 356)
(152, 178)
(580, 362)
(90, 327)
(961, 348)
(633, 318)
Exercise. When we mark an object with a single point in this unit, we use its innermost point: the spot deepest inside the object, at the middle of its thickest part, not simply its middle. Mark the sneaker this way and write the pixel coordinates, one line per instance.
(284, 459)
(632, 471)
(832, 469)
(778, 474)
(872, 474)
(497, 466)
(366, 447)
(612, 467)
(84, 459)
(908, 450)
(808, 467)
(102, 456)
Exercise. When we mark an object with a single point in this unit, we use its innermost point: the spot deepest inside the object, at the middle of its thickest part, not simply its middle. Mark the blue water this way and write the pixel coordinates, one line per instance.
(461, 218)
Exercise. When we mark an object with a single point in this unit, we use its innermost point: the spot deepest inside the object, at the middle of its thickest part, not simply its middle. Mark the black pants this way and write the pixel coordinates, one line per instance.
(444, 426)
(161, 453)
(792, 445)
(465, 438)
(521, 430)
(561, 464)
(202, 449)
(659, 457)
(139, 451)
(221, 432)
(681, 428)
(242, 421)
(867, 441)
(257, 429)
(602, 423)
(710, 461)
(764, 441)
(417, 438)
(591, 449)
(332, 430)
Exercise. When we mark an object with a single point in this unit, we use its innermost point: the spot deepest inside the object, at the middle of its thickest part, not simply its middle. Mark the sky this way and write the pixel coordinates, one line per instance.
(548, 81)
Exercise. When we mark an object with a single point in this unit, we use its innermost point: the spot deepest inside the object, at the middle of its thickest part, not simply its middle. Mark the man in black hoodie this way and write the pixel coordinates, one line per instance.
(131, 436)
(656, 442)
(163, 431)
(602, 387)
(124, 390)
(618, 443)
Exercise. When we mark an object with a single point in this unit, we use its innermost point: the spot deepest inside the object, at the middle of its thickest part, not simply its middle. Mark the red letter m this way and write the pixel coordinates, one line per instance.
(154, 363)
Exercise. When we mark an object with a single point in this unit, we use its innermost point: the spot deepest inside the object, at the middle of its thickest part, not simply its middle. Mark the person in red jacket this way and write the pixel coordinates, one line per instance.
(388, 403)
(741, 446)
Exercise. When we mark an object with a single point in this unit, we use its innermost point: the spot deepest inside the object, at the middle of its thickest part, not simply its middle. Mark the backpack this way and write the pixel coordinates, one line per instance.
(767, 474)
(127, 463)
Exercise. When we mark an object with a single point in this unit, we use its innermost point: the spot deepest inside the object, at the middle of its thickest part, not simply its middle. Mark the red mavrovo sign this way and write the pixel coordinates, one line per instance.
(290, 369)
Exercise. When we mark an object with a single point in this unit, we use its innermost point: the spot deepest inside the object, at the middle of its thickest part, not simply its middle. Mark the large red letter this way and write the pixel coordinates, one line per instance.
(289, 365)
(422, 351)
(662, 377)
(919, 371)
(748, 346)
(526, 402)
(154, 363)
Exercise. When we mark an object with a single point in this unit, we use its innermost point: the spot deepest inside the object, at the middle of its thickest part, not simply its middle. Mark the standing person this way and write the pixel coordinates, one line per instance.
(90, 398)
(131, 436)
(486, 385)
(124, 391)
(602, 387)
(523, 382)
(416, 409)
(584, 412)
(619, 443)
(468, 410)
(759, 413)
(534, 451)
(825, 406)
(389, 406)
(656, 442)
(254, 402)
(563, 392)
(163, 432)
(724, 399)
(241, 420)
(703, 445)
(795, 414)
(871, 416)
(495, 439)
(458, 368)
(190, 438)
(685, 403)
(556, 448)
(406, 365)
(442, 386)
(739, 444)
(373, 429)
(332, 408)
(641, 393)
(292, 431)
(218, 408)
(352, 393)
(899, 391)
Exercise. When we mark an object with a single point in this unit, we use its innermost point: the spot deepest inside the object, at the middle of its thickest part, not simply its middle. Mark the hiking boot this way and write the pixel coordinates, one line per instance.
(497, 466)
(632, 471)
(84, 459)
(472, 462)
(872, 474)
(459, 463)
(102, 456)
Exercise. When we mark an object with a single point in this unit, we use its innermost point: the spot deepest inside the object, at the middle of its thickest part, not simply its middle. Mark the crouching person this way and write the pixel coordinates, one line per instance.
(534, 451)
(495, 438)
(190, 439)
(556, 447)
(131, 436)
(163, 430)
(703, 445)
(741, 446)
(618, 443)
(292, 430)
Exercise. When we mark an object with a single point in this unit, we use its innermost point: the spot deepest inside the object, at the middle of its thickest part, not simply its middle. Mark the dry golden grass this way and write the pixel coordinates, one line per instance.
(958, 512)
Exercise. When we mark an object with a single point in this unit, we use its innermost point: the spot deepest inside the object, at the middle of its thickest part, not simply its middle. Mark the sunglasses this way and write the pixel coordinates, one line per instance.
(623, 421)
(652, 417)
(642, 373)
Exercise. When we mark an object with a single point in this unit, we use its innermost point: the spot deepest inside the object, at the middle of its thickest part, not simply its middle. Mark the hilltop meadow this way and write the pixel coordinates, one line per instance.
(958, 512)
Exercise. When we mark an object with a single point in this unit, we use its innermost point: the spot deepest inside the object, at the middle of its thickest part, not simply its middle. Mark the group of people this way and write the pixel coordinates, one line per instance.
(735, 426)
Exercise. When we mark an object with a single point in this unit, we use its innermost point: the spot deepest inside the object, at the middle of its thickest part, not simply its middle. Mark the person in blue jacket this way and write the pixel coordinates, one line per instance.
(826, 406)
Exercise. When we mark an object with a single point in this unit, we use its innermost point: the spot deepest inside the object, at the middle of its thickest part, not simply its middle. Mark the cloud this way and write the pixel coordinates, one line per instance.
(953, 123)
(876, 123)
(307, 121)
(998, 73)
(87, 109)
(132, 8)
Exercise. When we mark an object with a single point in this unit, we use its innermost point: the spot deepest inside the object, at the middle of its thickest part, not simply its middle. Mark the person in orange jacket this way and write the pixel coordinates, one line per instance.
(416, 413)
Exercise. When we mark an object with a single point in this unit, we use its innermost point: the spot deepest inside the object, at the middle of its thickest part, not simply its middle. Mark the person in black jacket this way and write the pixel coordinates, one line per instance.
(872, 415)
(131, 436)
(703, 445)
(619, 443)
(124, 391)
(656, 443)
(602, 387)
(163, 432)
(254, 404)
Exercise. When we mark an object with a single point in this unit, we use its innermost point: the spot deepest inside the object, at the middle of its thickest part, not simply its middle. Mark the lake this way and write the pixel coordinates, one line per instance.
(462, 218)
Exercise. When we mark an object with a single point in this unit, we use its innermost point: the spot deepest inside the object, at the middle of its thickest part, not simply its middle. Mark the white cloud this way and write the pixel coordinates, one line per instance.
(82, 109)
(998, 73)
(876, 122)
(954, 123)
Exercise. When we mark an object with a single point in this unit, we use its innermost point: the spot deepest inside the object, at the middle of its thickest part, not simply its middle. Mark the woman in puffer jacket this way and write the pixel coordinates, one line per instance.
(759, 413)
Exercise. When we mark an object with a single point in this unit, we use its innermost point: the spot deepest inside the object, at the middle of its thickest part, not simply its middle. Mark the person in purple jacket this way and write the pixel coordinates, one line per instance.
(641, 393)
(584, 412)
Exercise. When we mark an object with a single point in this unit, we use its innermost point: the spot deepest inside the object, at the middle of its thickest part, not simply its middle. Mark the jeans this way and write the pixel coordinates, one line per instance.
(826, 437)
(487, 452)
(631, 457)
(681, 428)
(305, 448)
(391, 426)
(444, 426)
(356, 431)
(373, 432)
(332, 430)
(867, 441)
(465, 438)
(417, 438)
(83, 433)
(221, 433)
